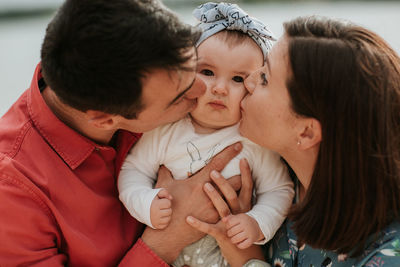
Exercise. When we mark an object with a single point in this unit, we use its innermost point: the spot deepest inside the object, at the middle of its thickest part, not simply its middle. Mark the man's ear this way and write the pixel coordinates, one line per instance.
(310, 134)
(101, 119)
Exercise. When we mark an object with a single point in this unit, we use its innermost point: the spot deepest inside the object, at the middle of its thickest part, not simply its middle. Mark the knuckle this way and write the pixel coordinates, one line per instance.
(231, 197)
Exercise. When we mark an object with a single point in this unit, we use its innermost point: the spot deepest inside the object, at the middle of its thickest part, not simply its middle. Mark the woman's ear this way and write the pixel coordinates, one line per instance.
(101, 119)
(310, 135)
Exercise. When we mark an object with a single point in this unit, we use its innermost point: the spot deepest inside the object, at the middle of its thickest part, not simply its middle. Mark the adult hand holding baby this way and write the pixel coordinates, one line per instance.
(188, 198)
(233, 203)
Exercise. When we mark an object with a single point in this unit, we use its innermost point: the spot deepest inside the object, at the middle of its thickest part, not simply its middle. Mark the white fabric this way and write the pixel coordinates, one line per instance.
(184, 152)
(216, 17)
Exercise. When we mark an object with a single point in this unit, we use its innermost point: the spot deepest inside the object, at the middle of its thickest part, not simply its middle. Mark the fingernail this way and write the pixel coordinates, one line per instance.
(214, 174)
(209, 187)
(189, 219)
(238, 146)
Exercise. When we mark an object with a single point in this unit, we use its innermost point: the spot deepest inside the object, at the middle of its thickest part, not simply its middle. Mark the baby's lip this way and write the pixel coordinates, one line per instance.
(217, 102)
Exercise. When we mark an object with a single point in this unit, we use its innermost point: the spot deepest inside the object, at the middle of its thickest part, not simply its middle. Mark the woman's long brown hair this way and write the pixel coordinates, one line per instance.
(348, 78)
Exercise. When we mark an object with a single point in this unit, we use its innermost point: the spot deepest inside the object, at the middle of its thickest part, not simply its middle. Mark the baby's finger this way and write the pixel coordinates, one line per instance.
(164, 203)
(244, 244)
(165, 220)
(163, 193)
(231, 221)
(238, 238)
(165, 213)
(235, 230)
(162, 226)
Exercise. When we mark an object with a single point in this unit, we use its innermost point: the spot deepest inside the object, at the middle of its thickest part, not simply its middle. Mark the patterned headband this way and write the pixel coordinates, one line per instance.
(215, 17)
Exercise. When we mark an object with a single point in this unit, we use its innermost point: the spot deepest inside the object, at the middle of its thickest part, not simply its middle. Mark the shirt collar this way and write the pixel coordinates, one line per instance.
(72, 147)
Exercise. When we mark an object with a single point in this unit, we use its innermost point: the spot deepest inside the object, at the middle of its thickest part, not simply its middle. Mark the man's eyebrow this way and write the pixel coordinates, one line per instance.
(181, 93)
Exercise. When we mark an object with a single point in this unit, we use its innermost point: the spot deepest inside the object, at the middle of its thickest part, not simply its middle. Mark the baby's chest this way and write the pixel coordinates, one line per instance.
(190, 158)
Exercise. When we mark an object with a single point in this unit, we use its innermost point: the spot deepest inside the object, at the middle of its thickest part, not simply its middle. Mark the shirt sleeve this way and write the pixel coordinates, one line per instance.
(274, 191)
(138, 176)
(28, 232)
(141, 255)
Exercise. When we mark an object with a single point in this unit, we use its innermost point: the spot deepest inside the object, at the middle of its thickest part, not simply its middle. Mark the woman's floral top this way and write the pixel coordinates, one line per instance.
(283, 251)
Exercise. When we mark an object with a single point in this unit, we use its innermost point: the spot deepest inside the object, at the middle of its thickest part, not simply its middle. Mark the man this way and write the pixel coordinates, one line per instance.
(109, 71)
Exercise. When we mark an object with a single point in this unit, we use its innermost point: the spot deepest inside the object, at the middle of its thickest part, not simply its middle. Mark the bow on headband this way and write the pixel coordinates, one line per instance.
(215, 17)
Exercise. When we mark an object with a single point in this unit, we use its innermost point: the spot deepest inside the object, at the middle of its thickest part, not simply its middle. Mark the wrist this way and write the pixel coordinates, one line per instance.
(161, 245)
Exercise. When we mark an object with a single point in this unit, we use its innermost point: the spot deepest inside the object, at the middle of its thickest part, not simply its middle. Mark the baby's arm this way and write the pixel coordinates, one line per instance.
(274, 191)
(137, 179)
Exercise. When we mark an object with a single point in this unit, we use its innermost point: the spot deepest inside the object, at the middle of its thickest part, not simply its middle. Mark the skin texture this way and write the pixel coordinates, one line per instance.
(188, 199)
(237, 203)
(167, 96)
(268, 120)
(223, 69)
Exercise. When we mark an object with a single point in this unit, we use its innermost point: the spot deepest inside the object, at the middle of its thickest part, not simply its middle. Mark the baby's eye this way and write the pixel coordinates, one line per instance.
(207, 72)
(264, 80)
(238, 79)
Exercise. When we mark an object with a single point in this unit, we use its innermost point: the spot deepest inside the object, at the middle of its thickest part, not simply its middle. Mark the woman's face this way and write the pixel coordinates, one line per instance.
(267, 118)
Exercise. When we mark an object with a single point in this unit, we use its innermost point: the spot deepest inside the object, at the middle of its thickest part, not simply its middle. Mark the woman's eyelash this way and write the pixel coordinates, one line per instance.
(264, 80)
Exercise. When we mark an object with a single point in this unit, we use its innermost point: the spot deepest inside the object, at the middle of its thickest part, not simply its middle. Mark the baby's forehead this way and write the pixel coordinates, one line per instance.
(231, 38)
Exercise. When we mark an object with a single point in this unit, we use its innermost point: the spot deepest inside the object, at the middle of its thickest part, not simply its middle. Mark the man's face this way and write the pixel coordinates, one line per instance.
(167, 96)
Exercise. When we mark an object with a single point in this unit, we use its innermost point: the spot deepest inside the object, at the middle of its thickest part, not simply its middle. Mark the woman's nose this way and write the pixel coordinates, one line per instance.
(250, 82)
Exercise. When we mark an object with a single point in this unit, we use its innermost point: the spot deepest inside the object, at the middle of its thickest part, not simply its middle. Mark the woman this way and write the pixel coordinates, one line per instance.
(328, 101)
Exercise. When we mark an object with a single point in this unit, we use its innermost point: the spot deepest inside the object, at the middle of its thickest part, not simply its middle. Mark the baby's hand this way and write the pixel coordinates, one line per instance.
(243, 230)
(160, 209)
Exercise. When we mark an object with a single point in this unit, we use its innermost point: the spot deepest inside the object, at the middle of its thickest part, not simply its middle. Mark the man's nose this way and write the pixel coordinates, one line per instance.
(197, 90)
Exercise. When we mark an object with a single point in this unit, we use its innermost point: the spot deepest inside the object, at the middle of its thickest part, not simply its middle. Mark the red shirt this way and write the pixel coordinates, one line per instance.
(58, 197)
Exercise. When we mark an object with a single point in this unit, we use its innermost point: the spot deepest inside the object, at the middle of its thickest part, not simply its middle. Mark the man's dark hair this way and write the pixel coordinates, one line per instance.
(95, 53)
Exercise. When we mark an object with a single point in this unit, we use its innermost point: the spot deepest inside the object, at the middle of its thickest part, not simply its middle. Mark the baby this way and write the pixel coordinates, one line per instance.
(232, 46)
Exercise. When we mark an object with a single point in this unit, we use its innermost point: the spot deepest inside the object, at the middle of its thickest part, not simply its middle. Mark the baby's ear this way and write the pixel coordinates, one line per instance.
(193, 151)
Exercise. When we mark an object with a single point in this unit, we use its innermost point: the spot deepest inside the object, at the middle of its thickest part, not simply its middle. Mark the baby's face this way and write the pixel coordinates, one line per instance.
(223, 69)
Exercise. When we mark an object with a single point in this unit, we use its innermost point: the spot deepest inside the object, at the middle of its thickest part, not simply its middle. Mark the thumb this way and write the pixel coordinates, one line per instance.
(210, 229)
(163, 193)
(164, 177)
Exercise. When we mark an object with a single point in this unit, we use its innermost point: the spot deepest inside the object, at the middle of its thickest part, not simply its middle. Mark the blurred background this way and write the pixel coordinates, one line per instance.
(23, 24)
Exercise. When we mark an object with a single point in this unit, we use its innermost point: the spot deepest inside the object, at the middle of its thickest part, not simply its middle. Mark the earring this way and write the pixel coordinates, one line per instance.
(298, 142)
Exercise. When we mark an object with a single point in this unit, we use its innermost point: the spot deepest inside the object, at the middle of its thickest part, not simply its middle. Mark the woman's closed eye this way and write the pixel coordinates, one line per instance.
(263, 77)
(238, 79)
(207, 72)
